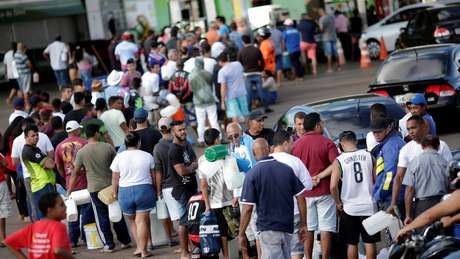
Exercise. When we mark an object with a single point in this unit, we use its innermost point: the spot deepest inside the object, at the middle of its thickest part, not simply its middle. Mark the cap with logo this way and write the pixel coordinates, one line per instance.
(72, 125)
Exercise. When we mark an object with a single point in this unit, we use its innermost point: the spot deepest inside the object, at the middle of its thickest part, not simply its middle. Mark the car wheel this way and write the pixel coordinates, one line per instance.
(374, 48)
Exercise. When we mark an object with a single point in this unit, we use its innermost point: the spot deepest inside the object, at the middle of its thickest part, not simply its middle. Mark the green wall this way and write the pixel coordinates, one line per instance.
(225, 8)
(162, 13)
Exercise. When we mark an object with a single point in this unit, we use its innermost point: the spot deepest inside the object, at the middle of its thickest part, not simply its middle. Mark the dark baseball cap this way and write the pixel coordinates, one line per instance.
(380, 124)
(18, 102)
(140, 114)
(257, 115)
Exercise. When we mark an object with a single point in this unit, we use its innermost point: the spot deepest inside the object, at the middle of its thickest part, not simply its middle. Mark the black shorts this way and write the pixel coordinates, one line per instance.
(351, 228)
(14, 83)
(222, 222)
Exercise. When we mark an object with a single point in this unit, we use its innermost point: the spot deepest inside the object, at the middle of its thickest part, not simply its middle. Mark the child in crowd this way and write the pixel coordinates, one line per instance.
(46, 238)
(270, 85)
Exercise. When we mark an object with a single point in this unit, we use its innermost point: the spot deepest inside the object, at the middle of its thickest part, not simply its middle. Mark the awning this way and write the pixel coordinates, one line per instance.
(34, 9)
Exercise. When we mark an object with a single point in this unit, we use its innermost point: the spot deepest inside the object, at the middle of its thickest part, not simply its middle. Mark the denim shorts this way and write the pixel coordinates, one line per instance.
(137, 198)
(279, 62)
(330, 48)
(296, 243)
(237, 107)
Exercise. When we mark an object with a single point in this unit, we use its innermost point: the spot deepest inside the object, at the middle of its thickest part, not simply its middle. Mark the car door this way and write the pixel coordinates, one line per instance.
(395, 23)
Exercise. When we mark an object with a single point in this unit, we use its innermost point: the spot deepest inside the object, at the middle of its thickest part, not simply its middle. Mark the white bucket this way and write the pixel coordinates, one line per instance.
(71, 210)
(232, 176)
(161, 209)
(80, 197)
(92, 238)
(378, 222)
(115, 212)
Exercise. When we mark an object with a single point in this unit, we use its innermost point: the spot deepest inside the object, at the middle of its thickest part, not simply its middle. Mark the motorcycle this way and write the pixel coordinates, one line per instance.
(432, 244)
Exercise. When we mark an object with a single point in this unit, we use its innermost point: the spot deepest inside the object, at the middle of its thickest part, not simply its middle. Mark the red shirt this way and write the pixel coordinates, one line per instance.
(41, 239)
(65, 155)
(317, 153)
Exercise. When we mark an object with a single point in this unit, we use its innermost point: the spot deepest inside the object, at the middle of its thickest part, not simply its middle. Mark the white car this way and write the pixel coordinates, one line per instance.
(389, 28)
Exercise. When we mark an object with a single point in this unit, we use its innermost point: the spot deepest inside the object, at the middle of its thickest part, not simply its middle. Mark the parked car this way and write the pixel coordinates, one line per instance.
(432, 25)
(344, 113)
(390, 27)
(432, 70)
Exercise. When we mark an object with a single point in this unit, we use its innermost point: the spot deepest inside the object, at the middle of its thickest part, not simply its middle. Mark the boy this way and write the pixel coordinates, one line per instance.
(46, 238)
(355, 168)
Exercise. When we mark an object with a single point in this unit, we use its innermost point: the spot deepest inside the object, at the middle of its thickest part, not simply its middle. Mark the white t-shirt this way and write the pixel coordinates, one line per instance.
(126, 50)
(168, 70)
(59, 114)
(16, 114)
(219, 195)
(44, 144)
(299, 170)
(58, 53)
(150, 84)
(412, 149)
(112, 119)
(371, 143)
(209, 64)
(134, 166)
(356, 193)
(11, 71)
(403, 124)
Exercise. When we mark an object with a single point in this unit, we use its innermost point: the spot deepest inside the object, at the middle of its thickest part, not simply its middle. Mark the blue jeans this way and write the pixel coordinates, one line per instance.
(101, 213)
(62, 77)
(86, 76)
(36, 196)
(85, 211)
(255, 90)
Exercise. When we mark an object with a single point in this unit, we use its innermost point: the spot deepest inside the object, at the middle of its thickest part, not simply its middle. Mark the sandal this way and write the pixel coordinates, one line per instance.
(147, 255)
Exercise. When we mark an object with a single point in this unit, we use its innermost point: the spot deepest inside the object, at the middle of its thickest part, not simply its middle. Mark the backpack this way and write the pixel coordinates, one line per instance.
(209, 234)
(195, 208)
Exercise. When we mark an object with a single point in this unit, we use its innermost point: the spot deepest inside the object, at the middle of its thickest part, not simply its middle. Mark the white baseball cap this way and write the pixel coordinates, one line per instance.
(164, 122)
(72, 125)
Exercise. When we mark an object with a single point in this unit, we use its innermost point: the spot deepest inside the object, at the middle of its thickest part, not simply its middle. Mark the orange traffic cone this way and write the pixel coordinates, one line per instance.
(383, 49)
(340, 53)
(365, 61)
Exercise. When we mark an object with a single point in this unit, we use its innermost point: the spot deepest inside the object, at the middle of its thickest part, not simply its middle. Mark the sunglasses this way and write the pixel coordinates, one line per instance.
(234, 136)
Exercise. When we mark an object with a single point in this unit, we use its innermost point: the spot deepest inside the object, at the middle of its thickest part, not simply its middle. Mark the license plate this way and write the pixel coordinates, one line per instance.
(404, 98)
(457, 30)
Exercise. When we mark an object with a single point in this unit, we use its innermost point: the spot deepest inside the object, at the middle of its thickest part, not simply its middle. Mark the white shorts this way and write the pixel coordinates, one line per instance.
(321, 214)
(251, 230)
(174, 207)
(5, 201)
(24, 82)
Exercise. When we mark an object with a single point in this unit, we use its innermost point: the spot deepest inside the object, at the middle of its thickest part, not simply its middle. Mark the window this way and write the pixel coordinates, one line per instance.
(403, 16)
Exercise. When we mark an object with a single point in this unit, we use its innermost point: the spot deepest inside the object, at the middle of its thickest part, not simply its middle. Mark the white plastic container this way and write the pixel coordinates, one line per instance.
(115, 212)
(71, 210)
(172, 100)
(168, 111)
(378, 222)
(80, 197)
(92, 238)
(232, 176)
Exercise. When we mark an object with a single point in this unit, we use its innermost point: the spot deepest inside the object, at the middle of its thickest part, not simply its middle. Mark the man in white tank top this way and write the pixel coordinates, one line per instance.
(355, 168)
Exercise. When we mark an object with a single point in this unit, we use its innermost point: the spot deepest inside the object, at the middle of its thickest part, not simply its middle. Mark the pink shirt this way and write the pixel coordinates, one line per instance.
(341, 23)
(65, 155)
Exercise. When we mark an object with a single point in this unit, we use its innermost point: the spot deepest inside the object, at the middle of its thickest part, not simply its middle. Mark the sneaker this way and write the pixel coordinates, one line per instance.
(173, 243)
(106, 249)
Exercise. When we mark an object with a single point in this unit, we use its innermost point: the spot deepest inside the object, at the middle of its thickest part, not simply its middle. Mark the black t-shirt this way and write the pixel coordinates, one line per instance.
(74, 115)
(183, 186)
(265, 133)
(58, 138)
(149, 138)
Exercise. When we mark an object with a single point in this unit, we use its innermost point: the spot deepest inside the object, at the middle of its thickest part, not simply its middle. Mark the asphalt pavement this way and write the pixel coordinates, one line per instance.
(350, 81)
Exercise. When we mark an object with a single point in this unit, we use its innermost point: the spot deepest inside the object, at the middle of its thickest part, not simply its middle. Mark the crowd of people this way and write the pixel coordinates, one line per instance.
(108, 133)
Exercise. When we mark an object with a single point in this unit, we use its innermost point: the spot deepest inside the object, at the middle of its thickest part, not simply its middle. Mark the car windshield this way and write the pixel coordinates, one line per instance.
(413, 68)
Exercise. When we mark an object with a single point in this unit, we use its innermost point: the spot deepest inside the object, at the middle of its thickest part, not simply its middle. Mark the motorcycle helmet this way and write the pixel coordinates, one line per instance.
(453, 171)
(264, 32)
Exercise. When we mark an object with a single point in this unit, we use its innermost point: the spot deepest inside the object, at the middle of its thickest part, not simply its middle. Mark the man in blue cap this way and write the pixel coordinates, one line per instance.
(417, 106)
(19, 107)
